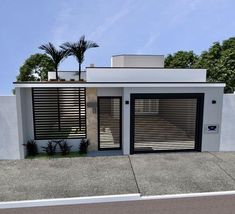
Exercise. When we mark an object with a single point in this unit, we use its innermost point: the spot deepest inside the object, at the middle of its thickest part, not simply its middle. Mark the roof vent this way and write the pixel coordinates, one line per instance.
(92, 65)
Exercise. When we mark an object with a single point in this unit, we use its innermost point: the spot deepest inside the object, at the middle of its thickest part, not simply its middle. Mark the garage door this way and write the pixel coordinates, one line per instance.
(166, 122)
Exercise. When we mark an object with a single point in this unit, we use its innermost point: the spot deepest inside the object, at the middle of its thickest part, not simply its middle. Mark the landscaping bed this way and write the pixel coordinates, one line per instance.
(44, 156)
(55, 149)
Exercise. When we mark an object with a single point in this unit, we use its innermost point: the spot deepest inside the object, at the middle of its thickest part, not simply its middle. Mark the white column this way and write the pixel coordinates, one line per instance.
(18, 93)
(126, 123)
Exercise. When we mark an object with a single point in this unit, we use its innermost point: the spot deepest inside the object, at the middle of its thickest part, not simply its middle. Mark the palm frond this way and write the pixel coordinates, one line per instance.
(56, 55)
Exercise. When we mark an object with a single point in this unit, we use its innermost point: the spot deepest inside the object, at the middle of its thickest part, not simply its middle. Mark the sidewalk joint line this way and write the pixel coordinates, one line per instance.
(228, 174)
(134, 175)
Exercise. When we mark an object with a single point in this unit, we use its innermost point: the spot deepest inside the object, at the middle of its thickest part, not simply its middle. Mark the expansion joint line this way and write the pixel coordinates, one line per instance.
(228, 174)
(134, 175)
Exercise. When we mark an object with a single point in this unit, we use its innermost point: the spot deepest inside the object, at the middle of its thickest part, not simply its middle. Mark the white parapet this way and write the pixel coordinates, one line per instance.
(133, 60)
(145, 75)
(67, 75)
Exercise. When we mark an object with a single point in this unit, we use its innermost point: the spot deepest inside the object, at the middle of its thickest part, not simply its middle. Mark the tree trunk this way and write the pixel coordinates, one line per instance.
(79, 71)
(56, 73)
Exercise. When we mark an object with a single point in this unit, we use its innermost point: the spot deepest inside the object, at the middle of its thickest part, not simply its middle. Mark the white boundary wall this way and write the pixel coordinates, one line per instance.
(227, 141)
(9, 146)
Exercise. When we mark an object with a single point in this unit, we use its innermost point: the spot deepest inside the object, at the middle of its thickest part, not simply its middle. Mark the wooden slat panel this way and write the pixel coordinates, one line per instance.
(59, 113)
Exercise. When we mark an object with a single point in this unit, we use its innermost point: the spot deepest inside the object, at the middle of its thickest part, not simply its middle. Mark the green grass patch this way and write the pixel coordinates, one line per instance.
(44, 156)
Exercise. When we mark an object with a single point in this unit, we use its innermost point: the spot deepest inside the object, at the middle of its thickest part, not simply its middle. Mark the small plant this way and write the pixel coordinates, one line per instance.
(31, 148)
(64, 147)
(83, 146)
(50, 149)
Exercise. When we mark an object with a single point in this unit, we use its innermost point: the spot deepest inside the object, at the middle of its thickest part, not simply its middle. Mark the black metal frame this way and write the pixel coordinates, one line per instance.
(98, 122)
(55, 137)
(199, 118)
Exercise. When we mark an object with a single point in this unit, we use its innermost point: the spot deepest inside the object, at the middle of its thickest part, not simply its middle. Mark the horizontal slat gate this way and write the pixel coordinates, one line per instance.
(167, 123)
(59, 113)
(109, 123)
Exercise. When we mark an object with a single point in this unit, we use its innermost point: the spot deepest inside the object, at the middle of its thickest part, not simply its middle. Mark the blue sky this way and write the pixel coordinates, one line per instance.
(118, 26)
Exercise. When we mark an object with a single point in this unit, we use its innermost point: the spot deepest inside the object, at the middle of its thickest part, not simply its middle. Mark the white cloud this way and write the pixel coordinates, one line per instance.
(151, 40)
(112, 20)
(63, 18)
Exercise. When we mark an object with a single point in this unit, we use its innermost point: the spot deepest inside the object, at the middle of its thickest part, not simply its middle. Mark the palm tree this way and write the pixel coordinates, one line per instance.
(78, 50)
(56, 55)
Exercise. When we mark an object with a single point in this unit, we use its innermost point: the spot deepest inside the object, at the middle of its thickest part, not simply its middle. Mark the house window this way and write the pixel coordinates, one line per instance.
(59, 113)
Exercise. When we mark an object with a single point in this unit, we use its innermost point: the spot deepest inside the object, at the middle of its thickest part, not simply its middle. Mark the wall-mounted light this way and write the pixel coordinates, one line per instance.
(127, 102)
(213, 101)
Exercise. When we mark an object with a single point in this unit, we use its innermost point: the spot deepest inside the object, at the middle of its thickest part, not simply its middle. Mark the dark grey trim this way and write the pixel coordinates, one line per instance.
(139, 67)
(98, 122)
(199, 118)
(77, 82)
(139, 55)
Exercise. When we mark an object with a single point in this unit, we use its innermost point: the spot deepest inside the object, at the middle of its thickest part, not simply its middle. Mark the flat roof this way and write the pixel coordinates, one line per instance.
(138, 55)
(72, 84)
(162, 68)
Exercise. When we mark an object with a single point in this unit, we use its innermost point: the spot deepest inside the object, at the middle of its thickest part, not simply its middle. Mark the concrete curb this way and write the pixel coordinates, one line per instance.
(188, 195)
(104, 199)
(69, 201)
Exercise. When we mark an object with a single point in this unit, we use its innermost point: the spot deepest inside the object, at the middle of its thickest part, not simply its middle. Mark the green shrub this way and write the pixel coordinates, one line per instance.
(50, 149)
(64, 147)
(83, 146)
(31, 148)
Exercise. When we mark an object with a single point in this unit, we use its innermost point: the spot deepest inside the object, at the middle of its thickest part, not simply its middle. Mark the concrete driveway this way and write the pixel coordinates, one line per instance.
(176, 173)
(150, 174)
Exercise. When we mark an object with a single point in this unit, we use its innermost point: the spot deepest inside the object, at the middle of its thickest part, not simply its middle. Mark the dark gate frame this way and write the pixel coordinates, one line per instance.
(120, 121)
(199, 118)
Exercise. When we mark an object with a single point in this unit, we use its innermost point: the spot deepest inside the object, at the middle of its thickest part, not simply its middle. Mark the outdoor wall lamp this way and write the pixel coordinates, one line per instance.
(127, 102)
(213, 101)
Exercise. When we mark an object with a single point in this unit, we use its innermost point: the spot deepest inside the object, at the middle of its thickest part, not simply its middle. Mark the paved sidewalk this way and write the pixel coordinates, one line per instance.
(177, 173)
(66, 177)
(148, 174)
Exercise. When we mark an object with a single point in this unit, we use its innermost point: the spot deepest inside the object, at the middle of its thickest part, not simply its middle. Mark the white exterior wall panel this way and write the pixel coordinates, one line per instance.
(228, 121)
(9, 138)
(145, 75)
(212, 113)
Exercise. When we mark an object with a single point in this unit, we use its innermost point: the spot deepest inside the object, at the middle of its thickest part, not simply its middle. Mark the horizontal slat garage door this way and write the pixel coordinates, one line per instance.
(166, 122)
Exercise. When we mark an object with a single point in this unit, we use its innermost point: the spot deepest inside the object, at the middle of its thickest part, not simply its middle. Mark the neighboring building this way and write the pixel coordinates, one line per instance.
(136, 106)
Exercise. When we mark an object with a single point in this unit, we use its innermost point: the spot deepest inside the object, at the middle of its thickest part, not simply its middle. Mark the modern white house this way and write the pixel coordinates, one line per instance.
(135, 106)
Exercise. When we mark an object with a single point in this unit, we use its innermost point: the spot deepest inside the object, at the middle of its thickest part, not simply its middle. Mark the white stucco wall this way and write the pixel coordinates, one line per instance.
(212, 113)
(138, 61)
(9, 141)
(25, 117)
(145, 75)
(228, 123)
(67, 75)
